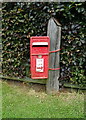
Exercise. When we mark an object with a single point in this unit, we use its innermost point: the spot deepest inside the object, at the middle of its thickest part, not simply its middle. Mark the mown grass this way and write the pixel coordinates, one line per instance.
(24, 102)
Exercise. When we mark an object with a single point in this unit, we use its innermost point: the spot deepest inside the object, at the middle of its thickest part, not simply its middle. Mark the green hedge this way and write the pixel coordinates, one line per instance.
(20, 21)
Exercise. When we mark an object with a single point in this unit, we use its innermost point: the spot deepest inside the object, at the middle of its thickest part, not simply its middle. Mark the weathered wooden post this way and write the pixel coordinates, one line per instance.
(54, 32)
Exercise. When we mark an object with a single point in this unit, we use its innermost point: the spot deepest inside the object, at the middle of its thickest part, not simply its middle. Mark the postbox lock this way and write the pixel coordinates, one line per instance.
(39, 56)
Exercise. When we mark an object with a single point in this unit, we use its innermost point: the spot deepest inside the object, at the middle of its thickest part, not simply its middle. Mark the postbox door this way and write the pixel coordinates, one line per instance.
(39, 69)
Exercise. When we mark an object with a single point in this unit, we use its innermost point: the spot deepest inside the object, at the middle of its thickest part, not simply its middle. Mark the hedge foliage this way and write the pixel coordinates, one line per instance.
(20, 21)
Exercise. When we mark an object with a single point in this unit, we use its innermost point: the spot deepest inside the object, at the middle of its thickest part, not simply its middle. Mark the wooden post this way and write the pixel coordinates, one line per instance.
(54, 32)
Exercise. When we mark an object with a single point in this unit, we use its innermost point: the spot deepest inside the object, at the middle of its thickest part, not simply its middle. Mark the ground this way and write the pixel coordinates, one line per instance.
(21, 100)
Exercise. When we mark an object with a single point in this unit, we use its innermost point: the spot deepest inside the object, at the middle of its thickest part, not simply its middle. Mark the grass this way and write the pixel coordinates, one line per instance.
(25, 102)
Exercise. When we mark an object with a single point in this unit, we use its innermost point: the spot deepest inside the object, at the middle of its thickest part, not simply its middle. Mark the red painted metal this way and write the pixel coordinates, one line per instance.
(54, 68)
(54, 51)
(39, 56)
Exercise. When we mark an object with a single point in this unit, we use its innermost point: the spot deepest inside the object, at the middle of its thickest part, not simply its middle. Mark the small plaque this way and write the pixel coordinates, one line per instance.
(39, 65)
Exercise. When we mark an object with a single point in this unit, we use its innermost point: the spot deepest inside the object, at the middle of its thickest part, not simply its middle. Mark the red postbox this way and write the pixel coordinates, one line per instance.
(39, 57)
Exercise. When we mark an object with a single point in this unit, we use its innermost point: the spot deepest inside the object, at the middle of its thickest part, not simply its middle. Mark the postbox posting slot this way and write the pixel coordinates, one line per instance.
(40, 44)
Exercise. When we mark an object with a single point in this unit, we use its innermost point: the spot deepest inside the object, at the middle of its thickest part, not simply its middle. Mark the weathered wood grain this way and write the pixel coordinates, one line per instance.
(54, 32)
